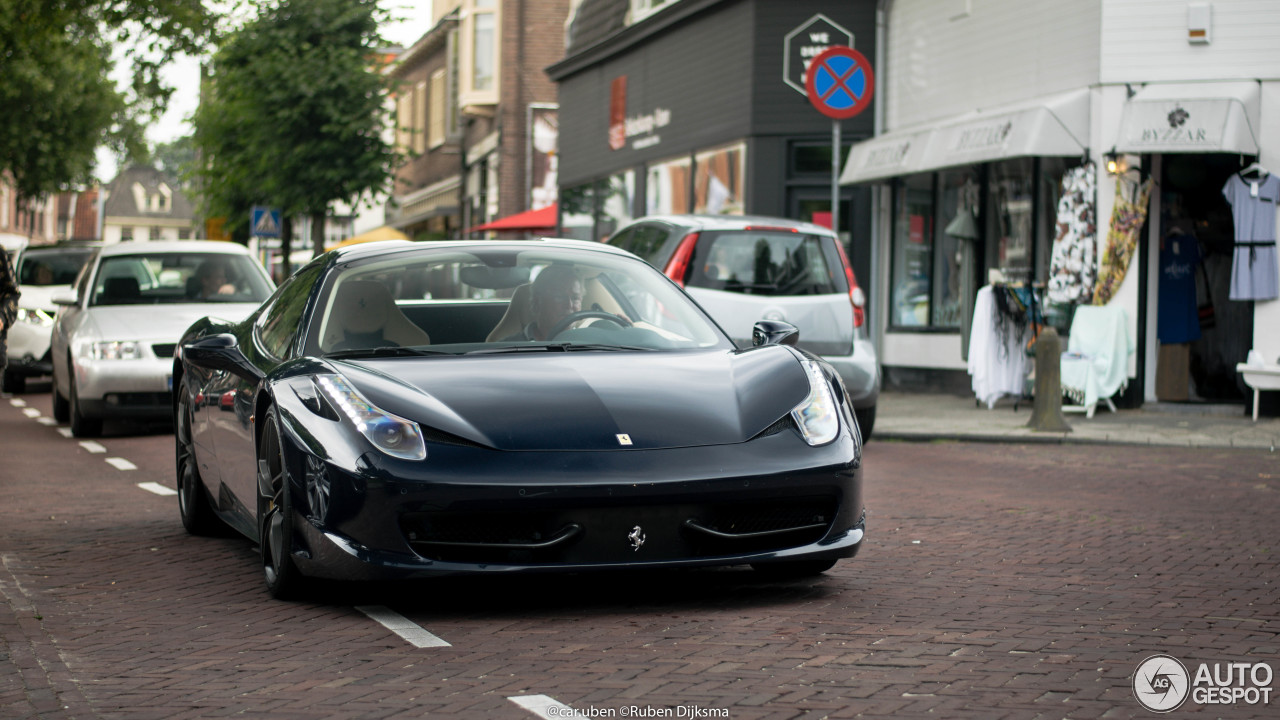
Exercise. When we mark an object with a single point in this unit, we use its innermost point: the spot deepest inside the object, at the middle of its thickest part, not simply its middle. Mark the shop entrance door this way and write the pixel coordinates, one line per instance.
(1196, 358)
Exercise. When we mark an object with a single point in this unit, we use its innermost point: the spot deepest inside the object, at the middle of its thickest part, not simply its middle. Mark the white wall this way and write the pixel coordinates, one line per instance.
(1146, 41)
(943, 61)
(1266, 314)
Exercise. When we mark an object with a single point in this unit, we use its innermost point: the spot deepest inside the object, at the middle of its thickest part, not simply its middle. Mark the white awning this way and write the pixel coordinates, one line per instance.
(1192, 118)
(1055, 126)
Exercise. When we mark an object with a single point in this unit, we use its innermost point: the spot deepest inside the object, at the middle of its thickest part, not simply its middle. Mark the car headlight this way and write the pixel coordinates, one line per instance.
(389, 433)
(34, 316)
(115, 350)
(817, 417)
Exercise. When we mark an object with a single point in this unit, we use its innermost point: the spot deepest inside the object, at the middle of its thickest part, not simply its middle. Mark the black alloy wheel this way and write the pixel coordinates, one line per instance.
(82, 426)
(275, 515)
(61, 406)
(193, 504)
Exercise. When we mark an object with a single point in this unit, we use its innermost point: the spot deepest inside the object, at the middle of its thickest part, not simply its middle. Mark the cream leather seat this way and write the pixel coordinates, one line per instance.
(519, 313)
(365, 315)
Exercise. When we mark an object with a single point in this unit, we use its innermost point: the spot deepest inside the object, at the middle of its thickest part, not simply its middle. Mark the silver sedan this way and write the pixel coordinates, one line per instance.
(115, 333)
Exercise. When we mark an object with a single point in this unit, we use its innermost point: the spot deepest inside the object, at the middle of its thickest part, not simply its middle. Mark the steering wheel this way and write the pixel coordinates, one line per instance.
(572, 318)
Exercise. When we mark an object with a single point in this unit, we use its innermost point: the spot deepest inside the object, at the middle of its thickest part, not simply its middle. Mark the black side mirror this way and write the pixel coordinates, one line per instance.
(221, 352)
(774, 332)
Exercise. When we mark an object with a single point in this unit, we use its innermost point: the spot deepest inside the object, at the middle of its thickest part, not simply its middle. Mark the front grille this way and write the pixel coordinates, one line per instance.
(164, 350)
(601, 534)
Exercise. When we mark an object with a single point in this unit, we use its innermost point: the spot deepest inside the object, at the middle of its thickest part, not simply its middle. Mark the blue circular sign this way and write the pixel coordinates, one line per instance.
(840, 82)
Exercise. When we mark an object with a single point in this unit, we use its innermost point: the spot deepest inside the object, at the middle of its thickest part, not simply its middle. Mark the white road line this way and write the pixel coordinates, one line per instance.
(18, 402)
(541, 705)
(92, 446)
(31, 412)
(402, 626)
(47, 421)
(64, 432)
(121, 464)
(157, 488)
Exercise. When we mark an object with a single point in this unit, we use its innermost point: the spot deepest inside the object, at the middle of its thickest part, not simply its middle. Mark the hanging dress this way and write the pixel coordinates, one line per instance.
(1254, 269)
(1072, 269)
(1122, 239)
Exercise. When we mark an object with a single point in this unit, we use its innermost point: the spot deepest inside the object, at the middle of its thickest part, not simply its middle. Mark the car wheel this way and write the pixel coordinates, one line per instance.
(193, 504)
(792, 569)
(866, 421)
(275, 515)
(82, 426)
(61, 407)
(13, 382)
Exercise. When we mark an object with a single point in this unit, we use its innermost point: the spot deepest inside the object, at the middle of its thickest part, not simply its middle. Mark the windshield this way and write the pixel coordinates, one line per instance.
(179, 277)
(51, 267)
(498, 299)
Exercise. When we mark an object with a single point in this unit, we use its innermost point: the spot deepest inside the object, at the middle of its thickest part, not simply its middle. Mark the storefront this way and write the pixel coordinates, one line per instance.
(1085, 157)
(690, 110)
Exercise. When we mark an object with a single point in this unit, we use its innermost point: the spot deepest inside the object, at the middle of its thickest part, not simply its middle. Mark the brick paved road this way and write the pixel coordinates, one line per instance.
(997, 581)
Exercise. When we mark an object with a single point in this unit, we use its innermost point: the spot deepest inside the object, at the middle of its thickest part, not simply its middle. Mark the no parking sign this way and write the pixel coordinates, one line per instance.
(840, 82)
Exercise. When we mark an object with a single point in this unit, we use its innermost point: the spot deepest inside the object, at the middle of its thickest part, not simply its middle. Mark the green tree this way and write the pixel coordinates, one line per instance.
(178, 158)
(294, 114)
(59, 101)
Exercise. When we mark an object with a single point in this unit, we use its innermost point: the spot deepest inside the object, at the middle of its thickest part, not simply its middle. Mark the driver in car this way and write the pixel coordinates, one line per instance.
(556, 294)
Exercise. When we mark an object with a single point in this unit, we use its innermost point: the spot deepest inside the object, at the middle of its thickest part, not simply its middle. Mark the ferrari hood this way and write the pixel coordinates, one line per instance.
(590, 400)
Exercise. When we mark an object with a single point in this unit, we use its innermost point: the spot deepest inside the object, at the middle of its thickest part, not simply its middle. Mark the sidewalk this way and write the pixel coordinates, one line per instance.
(924, 416)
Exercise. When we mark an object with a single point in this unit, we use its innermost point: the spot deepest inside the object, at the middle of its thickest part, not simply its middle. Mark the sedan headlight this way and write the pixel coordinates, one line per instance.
(817, 417)
(34, 316)
(115, 350)
(389, 433)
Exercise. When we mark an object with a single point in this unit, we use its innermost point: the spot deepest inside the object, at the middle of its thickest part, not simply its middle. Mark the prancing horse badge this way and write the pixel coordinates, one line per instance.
(636, 537)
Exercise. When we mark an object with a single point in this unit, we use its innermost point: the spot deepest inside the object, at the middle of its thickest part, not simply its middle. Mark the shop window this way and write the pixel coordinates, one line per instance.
(667, 187)
(1010, 227)
(617, 198)
(578, 212)
(955, 257)
(913, 232)
(718, 183)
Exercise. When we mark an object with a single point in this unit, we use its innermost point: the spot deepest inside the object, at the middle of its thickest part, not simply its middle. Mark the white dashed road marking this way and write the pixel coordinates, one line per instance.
(64, 432)
(121, 464)
(157, 488)
(402, 626)
(541, 705)
(18, 402)
(47, 421)
(31, 412)
(92, 446)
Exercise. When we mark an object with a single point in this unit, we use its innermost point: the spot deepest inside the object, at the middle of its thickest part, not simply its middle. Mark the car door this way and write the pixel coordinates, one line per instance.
(267, 339)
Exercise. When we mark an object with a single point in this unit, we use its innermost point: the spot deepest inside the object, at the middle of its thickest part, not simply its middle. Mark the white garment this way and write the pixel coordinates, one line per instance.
(997, 362)
(1096, 363)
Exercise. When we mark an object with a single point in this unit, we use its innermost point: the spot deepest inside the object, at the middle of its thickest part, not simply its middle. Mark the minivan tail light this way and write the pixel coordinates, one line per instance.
(856, 297)
(678, 265)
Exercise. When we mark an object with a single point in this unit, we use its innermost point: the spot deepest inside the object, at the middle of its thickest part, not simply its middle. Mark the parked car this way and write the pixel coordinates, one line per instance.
(41, 271)
(116, 330)
(747, 268)
(375, 432)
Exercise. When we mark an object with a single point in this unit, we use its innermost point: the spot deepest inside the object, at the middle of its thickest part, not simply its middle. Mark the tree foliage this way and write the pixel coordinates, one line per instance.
(59, 101)
(294, 115)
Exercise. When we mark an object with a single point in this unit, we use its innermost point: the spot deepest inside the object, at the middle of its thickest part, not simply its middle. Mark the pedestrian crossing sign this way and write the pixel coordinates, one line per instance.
(266, 222)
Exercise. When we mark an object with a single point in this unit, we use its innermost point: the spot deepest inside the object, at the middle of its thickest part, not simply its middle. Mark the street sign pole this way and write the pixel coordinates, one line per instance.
(835, 177)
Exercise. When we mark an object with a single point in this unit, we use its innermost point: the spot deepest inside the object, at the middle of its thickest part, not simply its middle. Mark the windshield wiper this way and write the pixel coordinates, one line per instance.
(555, 347)
(385, 351)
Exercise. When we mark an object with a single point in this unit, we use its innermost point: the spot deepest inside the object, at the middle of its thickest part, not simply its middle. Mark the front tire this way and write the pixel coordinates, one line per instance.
(866, 421)
(61, 406)
(193, 503)
(82, 426)
(275, 515)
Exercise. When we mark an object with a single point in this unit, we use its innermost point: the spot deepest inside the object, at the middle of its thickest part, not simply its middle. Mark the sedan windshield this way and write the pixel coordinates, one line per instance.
(172, 277)
(494, 299)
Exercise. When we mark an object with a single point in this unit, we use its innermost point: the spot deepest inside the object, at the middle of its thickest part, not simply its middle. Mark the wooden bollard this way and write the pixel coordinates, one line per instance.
(1046, 412)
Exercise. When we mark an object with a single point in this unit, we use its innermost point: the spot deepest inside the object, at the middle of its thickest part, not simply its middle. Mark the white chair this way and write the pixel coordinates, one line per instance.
(1096, 363)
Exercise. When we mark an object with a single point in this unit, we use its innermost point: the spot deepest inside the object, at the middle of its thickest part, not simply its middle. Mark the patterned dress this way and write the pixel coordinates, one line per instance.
(1072, 270)
(1122, 240)
(8, 303)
